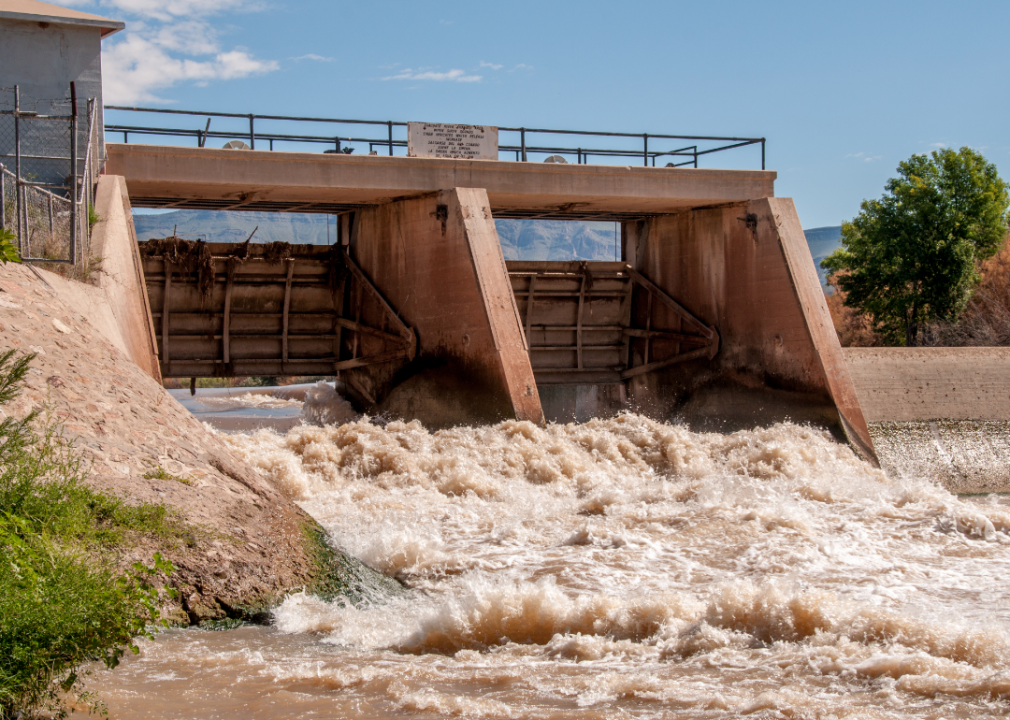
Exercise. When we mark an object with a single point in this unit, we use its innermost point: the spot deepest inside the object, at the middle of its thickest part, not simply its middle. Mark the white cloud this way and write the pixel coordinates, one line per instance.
(313, 56)
(493, 66)
(136, 67)
(167, 10)
(168, 42)
(425, 74)
(938, 145)
(521, 66)
(864, 156)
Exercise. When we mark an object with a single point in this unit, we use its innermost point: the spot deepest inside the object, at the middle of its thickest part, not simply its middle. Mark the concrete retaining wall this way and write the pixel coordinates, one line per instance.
(910, 384)
(114, 240)
(938, 413)
(114, 299)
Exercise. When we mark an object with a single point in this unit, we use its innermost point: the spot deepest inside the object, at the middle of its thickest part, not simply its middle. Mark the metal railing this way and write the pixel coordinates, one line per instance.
(45, 193)
(524, 141)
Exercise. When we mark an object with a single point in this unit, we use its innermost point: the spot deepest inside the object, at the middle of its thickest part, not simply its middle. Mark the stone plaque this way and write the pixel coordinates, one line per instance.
(469, 142)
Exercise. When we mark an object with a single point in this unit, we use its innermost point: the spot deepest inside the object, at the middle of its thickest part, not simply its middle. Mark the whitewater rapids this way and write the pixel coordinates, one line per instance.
(619, 568)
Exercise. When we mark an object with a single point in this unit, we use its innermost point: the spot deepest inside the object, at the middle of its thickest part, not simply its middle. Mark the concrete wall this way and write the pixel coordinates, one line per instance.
(43, 61)
(438, 262)
(912, 384)
(746, 269)
(115, 301)
(938, 413)
(121, 278)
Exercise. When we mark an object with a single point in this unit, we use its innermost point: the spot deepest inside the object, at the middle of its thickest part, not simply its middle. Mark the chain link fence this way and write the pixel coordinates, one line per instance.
(49, 166)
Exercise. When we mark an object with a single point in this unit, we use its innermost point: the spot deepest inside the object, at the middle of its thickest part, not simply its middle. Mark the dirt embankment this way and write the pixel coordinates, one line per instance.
(252, 542)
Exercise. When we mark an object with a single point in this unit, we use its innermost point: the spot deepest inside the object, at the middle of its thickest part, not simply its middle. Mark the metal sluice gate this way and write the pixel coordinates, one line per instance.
(240, 309)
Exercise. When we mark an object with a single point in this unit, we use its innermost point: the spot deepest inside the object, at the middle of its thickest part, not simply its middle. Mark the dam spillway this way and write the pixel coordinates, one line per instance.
(721, 304)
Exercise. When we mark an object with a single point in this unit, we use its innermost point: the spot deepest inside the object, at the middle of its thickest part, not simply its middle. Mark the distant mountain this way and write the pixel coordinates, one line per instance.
(520, 239)
(558, 239)
(822, 242)
(215, 226)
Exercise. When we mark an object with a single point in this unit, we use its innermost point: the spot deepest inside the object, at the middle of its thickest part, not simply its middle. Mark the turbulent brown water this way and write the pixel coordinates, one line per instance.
(619, 568)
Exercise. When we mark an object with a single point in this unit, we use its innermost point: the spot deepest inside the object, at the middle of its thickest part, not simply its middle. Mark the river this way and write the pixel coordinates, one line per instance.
(618, 568)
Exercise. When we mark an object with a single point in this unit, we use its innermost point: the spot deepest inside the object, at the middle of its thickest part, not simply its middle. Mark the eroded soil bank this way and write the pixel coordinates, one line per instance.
(250, 544)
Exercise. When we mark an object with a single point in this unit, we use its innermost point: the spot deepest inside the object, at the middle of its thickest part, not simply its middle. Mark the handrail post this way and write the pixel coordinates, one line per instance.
(645, 150)
(390, 124)
(252, 132)
(522, 136)
(762, 153)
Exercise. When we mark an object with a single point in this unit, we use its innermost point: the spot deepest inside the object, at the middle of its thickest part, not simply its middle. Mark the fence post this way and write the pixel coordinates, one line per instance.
(17, 169)
(74, 210)
(252, 132)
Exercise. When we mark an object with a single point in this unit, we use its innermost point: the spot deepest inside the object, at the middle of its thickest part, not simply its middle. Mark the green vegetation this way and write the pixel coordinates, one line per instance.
(62, 603)
(912, 257)
(338, 575)
(8, 247)
(160, 473)
(93, 217)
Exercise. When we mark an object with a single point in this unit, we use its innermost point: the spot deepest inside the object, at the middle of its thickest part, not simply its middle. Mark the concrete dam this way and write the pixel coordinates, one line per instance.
(713, 314)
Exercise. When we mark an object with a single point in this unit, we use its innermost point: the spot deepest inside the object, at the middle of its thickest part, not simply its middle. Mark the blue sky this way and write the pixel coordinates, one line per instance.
(843, 91)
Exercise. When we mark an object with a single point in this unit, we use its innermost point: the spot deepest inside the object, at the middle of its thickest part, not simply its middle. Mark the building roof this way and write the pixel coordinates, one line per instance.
(36, 11)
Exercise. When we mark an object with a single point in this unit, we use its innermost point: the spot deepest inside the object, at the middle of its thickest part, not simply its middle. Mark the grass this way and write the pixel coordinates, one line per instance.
(160, 473)
(62, 602)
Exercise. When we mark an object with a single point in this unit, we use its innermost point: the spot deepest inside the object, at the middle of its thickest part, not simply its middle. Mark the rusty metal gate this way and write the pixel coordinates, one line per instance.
(240, 309)
(594, 323)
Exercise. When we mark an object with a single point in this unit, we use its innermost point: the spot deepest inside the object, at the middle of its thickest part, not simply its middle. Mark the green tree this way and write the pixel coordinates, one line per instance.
(912, 256)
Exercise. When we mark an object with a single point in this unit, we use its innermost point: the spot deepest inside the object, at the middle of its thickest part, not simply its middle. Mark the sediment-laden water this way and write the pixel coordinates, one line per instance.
(619, 568)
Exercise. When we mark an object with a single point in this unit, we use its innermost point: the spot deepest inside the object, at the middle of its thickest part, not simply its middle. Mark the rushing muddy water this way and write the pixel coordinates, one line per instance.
(619, 568)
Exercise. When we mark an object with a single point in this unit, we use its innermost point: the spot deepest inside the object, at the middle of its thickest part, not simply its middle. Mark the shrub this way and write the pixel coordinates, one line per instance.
(62, 603)
(8, 248)
(986, 321)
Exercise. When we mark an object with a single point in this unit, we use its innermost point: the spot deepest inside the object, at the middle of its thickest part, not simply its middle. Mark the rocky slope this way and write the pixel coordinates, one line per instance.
(250, 543)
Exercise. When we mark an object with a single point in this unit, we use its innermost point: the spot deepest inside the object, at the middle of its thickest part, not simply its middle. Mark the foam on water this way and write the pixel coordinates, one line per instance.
(630, 568)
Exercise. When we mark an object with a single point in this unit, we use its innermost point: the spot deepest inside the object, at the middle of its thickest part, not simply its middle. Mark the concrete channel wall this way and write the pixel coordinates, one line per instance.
(941, 414)
(910, 384)
(113, 296)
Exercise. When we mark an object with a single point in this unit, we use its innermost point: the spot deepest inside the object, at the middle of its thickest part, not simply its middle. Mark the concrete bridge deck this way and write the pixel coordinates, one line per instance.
(209, 179)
